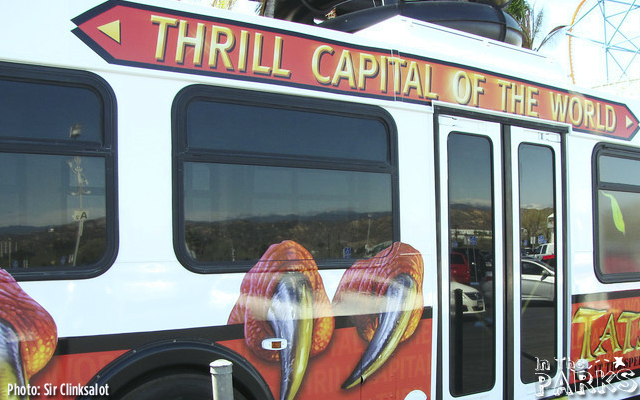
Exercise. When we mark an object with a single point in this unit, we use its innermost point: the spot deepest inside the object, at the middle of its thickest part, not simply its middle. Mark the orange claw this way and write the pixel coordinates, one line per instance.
(32, 323)
(283, 296)
(384, 297)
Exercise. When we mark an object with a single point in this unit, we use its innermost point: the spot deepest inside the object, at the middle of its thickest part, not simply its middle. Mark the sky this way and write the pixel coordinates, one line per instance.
(589, 60)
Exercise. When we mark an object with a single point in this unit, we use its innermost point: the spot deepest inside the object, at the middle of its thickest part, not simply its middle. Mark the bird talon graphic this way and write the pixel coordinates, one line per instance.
(291, 316)
(11, 369)
(28, 336)
(384, 296)
(283, 297)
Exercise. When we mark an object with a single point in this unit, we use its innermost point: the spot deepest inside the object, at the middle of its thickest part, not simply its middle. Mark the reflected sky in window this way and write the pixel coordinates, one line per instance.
(469, 170)
(52, 111)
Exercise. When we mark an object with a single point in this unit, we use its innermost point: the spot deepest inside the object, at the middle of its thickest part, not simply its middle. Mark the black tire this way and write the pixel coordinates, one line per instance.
(182, 386)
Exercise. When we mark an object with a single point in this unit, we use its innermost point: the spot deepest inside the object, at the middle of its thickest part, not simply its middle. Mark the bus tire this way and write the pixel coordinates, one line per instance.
(176, 370)
(179, 386)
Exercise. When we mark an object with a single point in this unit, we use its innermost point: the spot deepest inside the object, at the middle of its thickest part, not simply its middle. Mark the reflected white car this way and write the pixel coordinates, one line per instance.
(538, 281)
(472, 299)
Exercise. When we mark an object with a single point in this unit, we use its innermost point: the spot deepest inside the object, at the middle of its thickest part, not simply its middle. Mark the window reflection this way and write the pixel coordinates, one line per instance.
(47, 111)
(279, 131)
(235, 212)
(53, 196)
(537, 272)
(472, 333)
(260, 169)
(618, 203)
(42, 208)
(618, 233)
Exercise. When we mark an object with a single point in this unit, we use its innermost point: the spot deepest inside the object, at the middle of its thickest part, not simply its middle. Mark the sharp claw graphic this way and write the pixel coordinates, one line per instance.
(283, 296)
(384, 295)
(392, 325)
(291, 316)
(28, 335)
(11, 370)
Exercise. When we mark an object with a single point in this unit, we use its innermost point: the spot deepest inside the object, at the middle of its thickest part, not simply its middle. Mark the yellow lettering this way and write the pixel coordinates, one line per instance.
(315, 63)
(628, 318)
(163, 30)
(221, 48)
(517, 99)
(368, 69)
(277, 59)
(575, 117)
(587, 316)
(397, 63)
(256, 66)
(428, 73)
(462, 87)
(243, 51)
(345, 70)
(609, 334)
(610, 118)
(589, 112)
(413, 80)
(504, 87)
(532, 102)
(384, 76)
(559, 107)
(184, 40)
(477, 89)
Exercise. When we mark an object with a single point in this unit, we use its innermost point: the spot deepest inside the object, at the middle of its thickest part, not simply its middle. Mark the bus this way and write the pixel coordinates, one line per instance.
(182, 184)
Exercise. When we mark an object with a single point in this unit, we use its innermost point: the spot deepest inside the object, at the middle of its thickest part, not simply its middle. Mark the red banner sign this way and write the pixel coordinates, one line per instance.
(150, 37)
(605, 331)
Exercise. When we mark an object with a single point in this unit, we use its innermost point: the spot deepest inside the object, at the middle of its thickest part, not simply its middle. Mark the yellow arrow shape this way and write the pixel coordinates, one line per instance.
(629, 121)
(112, 29)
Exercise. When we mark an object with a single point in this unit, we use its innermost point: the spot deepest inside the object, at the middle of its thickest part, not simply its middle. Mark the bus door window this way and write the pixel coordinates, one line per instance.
(471, 222)
(538, 304)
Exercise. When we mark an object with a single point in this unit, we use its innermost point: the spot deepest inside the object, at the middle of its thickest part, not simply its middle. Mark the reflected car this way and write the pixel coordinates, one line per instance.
(459, 268)
(544, 250)
(538, 280)
(476, 260)
(472, 299)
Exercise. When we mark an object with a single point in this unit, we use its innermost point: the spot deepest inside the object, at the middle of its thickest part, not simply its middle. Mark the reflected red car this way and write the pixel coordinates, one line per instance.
(459, 267)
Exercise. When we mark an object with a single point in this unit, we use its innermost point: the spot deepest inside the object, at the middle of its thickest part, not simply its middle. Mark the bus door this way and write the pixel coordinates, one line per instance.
(535, 265)
(472, 292)
(494, 300)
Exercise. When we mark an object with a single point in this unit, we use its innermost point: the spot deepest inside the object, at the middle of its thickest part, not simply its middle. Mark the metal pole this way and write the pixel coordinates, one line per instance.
(221, 379)
(458, 341)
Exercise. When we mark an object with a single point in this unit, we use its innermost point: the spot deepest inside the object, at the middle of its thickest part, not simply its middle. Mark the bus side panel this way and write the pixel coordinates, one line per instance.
(605, 334)
(409, 368)
(65, 373)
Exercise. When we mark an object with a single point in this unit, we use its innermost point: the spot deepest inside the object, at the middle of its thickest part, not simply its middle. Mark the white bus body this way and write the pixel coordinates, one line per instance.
(182, 183)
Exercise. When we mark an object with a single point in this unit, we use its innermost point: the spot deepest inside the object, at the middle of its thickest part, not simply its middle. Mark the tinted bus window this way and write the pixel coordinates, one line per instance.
(298, 133)
(472, 340)
(43, 111)
(56, 196)
(257, 172)
(538, 304)
(618, 214)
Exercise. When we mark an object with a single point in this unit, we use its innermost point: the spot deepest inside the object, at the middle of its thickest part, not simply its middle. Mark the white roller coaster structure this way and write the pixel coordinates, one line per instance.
(611, 28)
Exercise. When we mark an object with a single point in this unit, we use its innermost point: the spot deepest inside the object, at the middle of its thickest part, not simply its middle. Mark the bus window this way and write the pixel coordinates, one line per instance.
(618, 214)
(55, 197)
(257, 170)
(538, 304)
(472, 336)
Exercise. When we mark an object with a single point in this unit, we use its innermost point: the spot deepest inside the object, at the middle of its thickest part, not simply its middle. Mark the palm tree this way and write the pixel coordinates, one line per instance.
(530, 23)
